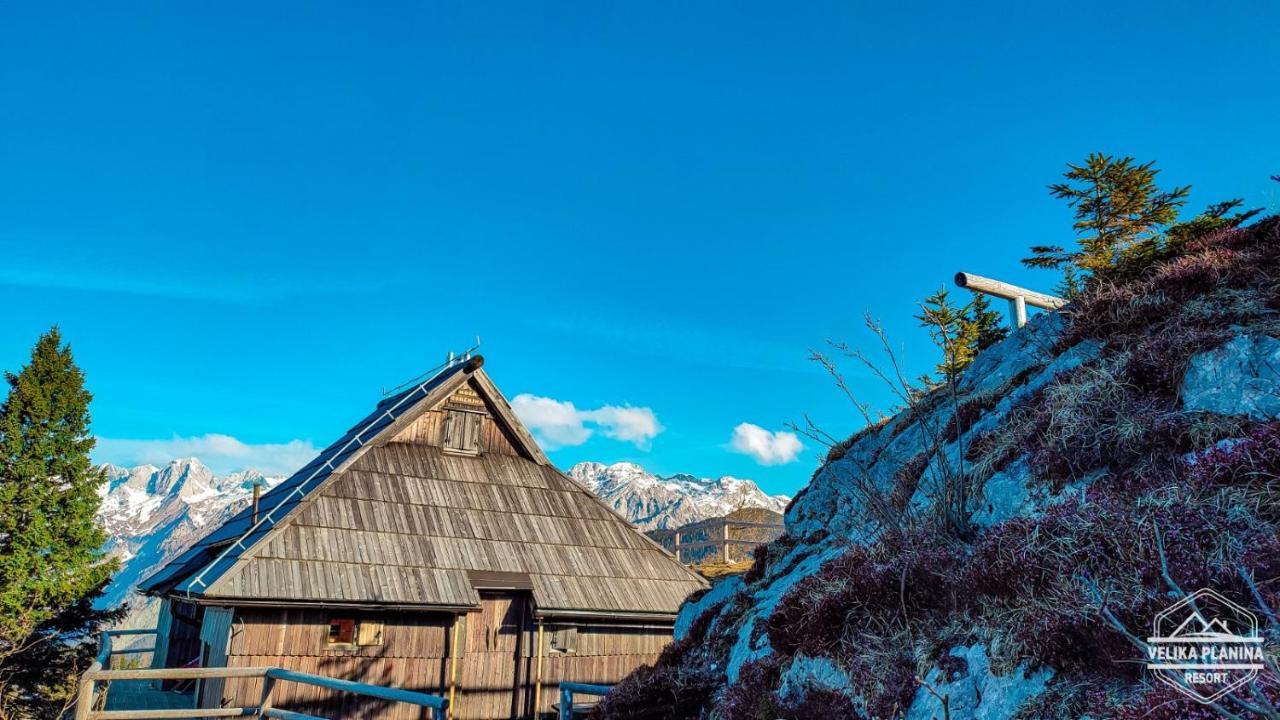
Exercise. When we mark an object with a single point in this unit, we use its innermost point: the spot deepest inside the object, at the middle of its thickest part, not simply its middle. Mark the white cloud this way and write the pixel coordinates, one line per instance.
(768, 448)
(558, 423)
(220, 453)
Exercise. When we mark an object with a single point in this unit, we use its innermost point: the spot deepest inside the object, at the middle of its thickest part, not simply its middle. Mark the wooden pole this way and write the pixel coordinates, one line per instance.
(84, 701)
(537, 687)
(1018, 311)
(257, 495)
(677, 546)
(453, 664)
(725, 538)
(266, 701)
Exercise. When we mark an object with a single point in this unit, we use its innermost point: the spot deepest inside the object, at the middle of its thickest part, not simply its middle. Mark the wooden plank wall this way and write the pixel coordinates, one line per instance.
(215, 637)
(604, 655)
(411, 656)
(490, 683)
(163, 621)
(496, 675)
(429, 428)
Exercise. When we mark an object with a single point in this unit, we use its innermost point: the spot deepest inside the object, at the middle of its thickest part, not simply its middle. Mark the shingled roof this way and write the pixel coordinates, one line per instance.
(384, 518)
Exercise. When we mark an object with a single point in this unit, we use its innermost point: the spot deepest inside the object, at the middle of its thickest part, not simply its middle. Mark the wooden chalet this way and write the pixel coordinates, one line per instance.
(434, 548)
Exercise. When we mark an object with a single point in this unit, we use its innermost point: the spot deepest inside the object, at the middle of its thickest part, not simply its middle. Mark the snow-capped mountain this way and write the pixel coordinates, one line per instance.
(152, 514)
(652, 502)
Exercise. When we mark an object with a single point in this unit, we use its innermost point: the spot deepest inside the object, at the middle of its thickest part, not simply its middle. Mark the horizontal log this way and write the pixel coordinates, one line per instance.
(379, 691)
(133, 651)
(175, 713)
(1004, 290)
(717, 543)
(584, 688)
(175, 673)
(279, 714)
(720, 522)
(134, 631)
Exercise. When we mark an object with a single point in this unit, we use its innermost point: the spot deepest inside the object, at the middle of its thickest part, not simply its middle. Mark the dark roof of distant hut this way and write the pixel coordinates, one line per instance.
(380, 520)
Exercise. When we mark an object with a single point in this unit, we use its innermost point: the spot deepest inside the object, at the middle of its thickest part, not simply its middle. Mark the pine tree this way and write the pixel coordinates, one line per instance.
(51, 565)
(950, 332)
(1120, 212)
(988, 327)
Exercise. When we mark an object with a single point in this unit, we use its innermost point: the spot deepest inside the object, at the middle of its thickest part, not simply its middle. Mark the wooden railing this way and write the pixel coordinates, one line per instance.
(569, 689)
(107, 649)
(717, 532)
(91, 702)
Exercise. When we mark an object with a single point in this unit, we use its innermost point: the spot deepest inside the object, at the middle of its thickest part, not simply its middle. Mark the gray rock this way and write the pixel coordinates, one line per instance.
(1240, 378)
(1005, 494)
(813, 673)
(977, 694)
(691, 611)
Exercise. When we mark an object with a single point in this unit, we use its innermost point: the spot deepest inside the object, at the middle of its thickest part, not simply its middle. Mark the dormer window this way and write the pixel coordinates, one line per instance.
(462, 432)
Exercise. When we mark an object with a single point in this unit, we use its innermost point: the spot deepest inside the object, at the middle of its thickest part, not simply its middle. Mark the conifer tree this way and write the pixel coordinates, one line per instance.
(988, 326)
(951, 332)
(51, 565)
(1119, 211)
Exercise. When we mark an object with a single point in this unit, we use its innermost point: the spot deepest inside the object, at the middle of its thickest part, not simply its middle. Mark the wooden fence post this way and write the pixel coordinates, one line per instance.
(1018, 311)
(268, 684)
(84, 701)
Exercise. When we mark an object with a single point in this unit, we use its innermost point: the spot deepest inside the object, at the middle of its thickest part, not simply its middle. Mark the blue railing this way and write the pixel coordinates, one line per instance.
(569, 689)
(435, 703)
(96, 681)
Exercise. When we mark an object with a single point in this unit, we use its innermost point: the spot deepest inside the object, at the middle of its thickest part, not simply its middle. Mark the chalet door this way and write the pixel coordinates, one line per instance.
(494, 670)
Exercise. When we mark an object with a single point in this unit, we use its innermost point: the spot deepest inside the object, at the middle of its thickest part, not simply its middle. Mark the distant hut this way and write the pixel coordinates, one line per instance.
(433, 547)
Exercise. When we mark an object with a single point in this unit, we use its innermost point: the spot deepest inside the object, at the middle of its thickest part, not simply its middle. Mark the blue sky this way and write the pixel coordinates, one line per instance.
(248, 219)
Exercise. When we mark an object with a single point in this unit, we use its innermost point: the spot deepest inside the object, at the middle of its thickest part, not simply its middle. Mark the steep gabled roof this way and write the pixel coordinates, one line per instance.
(379, 519)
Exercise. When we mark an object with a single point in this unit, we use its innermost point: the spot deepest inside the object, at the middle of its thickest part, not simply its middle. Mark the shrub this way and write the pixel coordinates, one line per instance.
(752, 696)
(763, 555)
(897, 589)
(660, 693)
(906, 480)
(820, 704)
(858, 589)
(969, 412)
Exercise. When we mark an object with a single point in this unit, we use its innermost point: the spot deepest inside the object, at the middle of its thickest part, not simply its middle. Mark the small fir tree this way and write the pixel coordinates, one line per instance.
(951, 332)
(51, 564)
(1120, 211)
(988, 326)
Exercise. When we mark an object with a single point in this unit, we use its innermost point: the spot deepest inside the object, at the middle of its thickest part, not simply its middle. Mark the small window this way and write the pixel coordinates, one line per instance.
(342, 631)
(564, 640)
(462, 432)
(350, 632)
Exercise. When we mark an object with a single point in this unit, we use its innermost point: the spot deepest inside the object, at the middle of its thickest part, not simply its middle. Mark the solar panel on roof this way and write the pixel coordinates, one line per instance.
(280, 500)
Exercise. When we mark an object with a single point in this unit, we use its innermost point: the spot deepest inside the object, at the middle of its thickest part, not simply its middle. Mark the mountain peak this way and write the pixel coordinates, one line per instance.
(651, 501)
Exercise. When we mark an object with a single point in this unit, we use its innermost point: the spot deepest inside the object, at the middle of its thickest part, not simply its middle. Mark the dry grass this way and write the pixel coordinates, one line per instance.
(719, 569)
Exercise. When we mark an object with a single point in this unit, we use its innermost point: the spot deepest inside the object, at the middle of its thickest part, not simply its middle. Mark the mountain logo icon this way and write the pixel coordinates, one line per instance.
(1205, 646)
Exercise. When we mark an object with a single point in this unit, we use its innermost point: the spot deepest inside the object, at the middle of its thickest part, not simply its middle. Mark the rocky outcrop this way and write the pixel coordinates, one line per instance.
(999, 549)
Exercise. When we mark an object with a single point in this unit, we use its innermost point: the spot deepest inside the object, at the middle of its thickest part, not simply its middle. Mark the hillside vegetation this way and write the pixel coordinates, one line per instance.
(999, 548)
